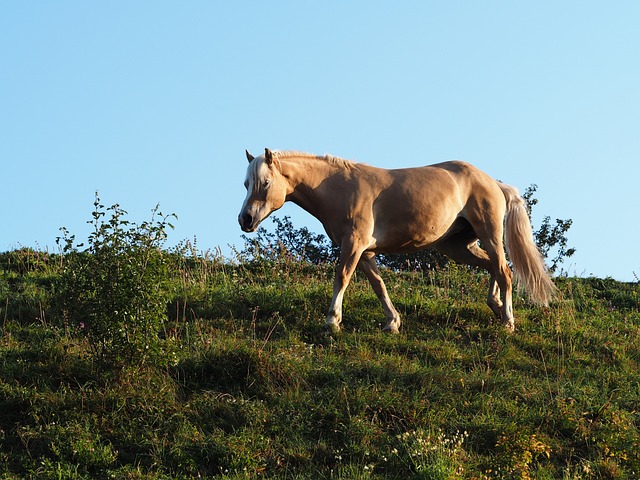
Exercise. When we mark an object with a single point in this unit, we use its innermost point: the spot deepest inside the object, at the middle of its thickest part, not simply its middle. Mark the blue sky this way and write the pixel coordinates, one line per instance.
(154, 102)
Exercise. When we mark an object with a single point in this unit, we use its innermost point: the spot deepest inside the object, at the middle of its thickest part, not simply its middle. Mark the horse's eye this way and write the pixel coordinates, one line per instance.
(266, 183)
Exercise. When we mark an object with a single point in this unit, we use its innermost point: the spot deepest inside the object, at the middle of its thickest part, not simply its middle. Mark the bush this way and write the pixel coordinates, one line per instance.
(549, 237)
(114, 291)
(298, 244)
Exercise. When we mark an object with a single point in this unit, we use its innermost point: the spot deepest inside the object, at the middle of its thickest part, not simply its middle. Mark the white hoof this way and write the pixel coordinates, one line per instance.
(510, 326)
(391, 328)
(332, 326)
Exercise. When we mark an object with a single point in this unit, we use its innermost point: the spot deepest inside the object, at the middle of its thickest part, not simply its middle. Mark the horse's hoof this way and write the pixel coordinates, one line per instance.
(332, 327)
(393, 329)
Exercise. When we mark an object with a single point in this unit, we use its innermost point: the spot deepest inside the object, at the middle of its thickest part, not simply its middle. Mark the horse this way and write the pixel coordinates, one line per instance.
(452, 206)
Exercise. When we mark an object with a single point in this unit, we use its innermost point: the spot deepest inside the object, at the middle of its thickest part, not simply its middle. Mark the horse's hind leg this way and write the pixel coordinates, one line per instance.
(370, 268)
(503, 275)
(490, 232)
(485, 215)
(463, 248)
(493, 299)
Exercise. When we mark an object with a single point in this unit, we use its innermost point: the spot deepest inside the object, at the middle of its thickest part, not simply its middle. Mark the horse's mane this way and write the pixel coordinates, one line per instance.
(341, 162)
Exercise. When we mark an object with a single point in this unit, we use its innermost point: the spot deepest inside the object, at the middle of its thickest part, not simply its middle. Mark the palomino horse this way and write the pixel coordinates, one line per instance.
(451, 206)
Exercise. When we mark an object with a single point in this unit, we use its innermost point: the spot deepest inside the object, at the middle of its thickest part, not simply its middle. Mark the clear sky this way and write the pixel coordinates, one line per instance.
(155, 101)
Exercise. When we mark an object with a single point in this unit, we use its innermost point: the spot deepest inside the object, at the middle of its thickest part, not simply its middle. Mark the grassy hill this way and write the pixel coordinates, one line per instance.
(250, 385)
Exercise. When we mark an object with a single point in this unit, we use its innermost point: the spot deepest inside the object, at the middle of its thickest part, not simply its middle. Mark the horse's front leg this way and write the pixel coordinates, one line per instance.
(349, 258)
(370, 268)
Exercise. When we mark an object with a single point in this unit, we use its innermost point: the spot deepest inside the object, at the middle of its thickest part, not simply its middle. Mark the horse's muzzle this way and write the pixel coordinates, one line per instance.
(246, 222)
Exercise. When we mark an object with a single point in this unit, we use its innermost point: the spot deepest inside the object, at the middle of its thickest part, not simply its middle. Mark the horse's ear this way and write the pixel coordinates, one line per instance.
(268, 156)
(249, 156)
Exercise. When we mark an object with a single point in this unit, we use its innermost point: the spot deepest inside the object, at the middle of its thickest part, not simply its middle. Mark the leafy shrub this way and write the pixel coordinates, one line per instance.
(115, 289)
(550, 238)
(286, 241)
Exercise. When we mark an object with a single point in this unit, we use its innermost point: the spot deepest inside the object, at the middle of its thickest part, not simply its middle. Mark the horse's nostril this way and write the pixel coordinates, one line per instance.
(247, 219)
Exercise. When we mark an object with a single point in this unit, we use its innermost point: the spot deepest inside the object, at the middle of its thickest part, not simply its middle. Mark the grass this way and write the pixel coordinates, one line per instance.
(253, 386)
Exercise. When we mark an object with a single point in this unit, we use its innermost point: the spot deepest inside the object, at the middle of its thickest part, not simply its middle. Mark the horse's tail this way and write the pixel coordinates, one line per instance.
(528, 263)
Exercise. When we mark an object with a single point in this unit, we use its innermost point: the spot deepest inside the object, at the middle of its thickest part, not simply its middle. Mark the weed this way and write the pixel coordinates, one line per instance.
(114, 290)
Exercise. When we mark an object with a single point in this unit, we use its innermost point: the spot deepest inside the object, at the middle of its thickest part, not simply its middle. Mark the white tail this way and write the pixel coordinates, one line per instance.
(528, 263)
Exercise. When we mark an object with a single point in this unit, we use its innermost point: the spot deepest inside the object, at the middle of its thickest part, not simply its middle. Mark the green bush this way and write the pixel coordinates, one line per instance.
(551, 240)
(115, 290)
(298, 244)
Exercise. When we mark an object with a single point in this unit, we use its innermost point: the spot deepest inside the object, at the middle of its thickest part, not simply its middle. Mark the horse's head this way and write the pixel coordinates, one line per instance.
(266, 190)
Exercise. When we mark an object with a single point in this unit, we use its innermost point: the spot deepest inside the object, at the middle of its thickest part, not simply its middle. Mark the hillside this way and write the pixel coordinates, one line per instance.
(249, 384)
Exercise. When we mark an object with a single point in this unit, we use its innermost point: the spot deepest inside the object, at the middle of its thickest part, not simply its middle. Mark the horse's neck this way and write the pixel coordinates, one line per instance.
(305, 178)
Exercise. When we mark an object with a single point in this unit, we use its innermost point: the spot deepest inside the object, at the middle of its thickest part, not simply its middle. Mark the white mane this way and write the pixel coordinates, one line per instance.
(282, 154)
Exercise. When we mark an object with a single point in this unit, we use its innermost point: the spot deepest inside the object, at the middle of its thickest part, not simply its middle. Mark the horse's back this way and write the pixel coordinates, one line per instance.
(458, 171)
(421, 204)
(479, 195)
(451, 182)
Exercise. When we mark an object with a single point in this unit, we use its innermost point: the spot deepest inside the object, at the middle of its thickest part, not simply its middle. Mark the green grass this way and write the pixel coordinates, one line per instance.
(253, 386)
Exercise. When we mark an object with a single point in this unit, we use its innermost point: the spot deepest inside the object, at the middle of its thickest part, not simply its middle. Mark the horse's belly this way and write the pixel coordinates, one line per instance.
(409, 236)
(417, 210)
